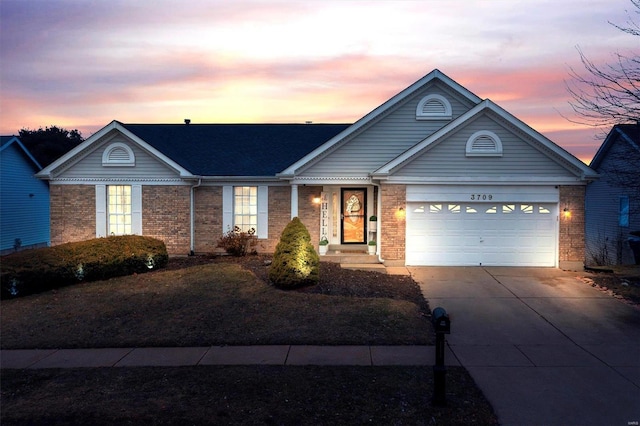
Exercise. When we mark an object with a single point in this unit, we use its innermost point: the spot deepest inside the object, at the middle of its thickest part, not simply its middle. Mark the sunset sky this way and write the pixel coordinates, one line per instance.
(79, 64)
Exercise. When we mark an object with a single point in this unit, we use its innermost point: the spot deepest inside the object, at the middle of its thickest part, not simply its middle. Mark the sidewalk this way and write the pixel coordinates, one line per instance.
(223, 355)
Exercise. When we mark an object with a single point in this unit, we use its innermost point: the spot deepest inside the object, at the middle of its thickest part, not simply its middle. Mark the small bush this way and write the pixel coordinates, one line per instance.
(295, 261)
(37, 270)
(237, 242)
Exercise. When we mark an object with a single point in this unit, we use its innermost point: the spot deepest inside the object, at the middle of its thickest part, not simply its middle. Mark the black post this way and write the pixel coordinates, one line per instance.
(439, 373)
(442, 326)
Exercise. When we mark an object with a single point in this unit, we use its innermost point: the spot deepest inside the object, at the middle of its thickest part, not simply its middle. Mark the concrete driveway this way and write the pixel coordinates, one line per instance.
(544, 347)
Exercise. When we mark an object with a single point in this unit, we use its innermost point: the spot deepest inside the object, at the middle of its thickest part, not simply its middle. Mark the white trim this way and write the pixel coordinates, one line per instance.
(263, 212)
(107, 161)
(115, 126)
(560, 156)
(294, 201)
(472, 151)
(227, 208)
(444, 102)
(101, 211)
(136, 209)
(480, 180)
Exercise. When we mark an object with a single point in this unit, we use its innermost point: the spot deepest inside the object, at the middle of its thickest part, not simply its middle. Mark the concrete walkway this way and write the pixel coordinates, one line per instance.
(544, 347)
(221, 355)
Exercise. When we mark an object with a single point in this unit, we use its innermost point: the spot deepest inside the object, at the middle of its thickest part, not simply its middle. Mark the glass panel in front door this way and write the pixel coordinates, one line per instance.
(354, 202)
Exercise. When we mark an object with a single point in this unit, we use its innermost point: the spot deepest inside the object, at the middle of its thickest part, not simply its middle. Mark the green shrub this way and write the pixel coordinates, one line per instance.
(33, 271)
(237, 242)
(295, 261)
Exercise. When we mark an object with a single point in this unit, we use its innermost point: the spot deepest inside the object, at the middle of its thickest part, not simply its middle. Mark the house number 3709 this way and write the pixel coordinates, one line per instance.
(481, 197)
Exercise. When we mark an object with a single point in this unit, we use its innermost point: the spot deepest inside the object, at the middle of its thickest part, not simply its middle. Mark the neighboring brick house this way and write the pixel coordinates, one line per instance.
(453, 180)
(613, 202)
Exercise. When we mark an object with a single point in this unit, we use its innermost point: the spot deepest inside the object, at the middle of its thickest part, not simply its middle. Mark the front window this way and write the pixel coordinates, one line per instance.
(624, 211)
(245, 208)
(119, 209)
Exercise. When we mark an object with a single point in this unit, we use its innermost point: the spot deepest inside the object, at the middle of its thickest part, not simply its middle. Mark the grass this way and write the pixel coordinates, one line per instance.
(210, 304)
(252, 395)
(222, 303)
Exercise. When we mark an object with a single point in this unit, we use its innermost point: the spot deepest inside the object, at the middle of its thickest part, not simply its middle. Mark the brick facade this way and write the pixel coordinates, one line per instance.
(309, 212)
(73, 213)
(393, 223)
(208, 218)
(166, 216)
(572, 226)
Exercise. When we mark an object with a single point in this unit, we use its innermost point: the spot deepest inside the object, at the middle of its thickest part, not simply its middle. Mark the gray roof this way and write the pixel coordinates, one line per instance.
(235, 149)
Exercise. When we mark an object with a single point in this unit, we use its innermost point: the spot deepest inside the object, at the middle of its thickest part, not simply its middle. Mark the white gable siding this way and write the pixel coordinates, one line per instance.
(386, 138)
(447, 158)
(146, 166)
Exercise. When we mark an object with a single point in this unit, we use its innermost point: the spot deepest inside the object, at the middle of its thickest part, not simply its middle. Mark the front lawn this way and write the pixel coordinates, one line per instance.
(211, 304)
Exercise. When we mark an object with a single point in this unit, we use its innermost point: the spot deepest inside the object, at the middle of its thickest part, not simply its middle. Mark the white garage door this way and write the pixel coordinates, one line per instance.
(490, 234)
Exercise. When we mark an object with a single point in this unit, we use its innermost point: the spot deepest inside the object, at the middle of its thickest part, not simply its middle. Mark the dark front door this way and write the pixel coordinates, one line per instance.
(354, 215)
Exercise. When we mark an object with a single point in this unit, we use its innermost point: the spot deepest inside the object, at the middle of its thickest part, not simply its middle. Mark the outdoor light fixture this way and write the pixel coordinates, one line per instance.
(316, 200)
(566, 213)
(400, 213)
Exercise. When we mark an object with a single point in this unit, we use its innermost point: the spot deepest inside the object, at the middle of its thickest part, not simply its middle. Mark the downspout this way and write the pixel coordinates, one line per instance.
(193, 216)
(379, 221)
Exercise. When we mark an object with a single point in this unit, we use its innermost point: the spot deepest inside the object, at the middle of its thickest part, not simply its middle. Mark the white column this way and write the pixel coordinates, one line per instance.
(294, 201)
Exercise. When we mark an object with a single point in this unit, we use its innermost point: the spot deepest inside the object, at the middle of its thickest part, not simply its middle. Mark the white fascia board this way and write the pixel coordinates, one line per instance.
(331, 181)
(488, 180)
(376, 113)
(584, 171)
(46, 173)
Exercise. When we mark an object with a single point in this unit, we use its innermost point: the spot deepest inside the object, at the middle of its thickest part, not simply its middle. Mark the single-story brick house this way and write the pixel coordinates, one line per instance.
(453, 180)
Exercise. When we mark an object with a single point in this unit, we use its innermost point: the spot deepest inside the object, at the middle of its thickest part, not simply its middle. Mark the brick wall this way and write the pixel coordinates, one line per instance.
(393, 223)
(165, 216)
(73, 213)
(208, 218)
(309, 212)
(571, 229)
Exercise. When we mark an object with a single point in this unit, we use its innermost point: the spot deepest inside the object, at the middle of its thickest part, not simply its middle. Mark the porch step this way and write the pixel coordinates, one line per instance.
(349, 254)
(375, 267)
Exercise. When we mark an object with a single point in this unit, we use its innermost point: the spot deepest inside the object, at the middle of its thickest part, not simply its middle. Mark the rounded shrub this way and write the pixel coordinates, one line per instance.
(295, 261)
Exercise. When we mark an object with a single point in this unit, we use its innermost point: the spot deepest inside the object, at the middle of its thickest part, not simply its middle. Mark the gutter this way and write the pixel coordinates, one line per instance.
(193, 216)
(379, 221)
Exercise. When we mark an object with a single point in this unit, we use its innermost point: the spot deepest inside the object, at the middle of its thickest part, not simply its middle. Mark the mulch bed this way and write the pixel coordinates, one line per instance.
(334, 280)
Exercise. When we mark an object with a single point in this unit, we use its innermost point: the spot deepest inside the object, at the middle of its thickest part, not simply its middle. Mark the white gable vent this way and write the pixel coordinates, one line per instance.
(118, 154)
(484, 144)
(433, 107)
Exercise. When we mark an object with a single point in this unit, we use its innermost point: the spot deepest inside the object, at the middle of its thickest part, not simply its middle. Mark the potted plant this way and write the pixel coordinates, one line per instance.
(371, 247)
(323, 246)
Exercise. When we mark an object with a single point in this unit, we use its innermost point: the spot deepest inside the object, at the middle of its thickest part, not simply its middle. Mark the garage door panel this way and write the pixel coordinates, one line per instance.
(501, 234)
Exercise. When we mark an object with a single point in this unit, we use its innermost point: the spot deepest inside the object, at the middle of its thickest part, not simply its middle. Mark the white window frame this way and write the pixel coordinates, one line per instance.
(102, 218)
(422, 115)
(472, 151)
(228, 223)
(126, 159)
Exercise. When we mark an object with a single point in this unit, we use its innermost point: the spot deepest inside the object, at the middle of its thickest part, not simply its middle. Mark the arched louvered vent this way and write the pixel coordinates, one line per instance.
(433, 107)
(118, 154)
(484, 144)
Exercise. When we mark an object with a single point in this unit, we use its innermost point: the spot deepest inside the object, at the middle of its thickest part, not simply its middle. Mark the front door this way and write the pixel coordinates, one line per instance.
(354, 215)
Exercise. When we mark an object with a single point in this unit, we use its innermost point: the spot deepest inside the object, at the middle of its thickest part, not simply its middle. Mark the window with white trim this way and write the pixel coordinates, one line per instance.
(433, 107)
(484, 144)
(118, 154)
(119, 212)
(245, 208)
(624, 211)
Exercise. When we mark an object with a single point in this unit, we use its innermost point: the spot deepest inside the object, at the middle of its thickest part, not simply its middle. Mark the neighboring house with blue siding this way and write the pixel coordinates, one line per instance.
(613, 201)
(453, 179)
(24, 199)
